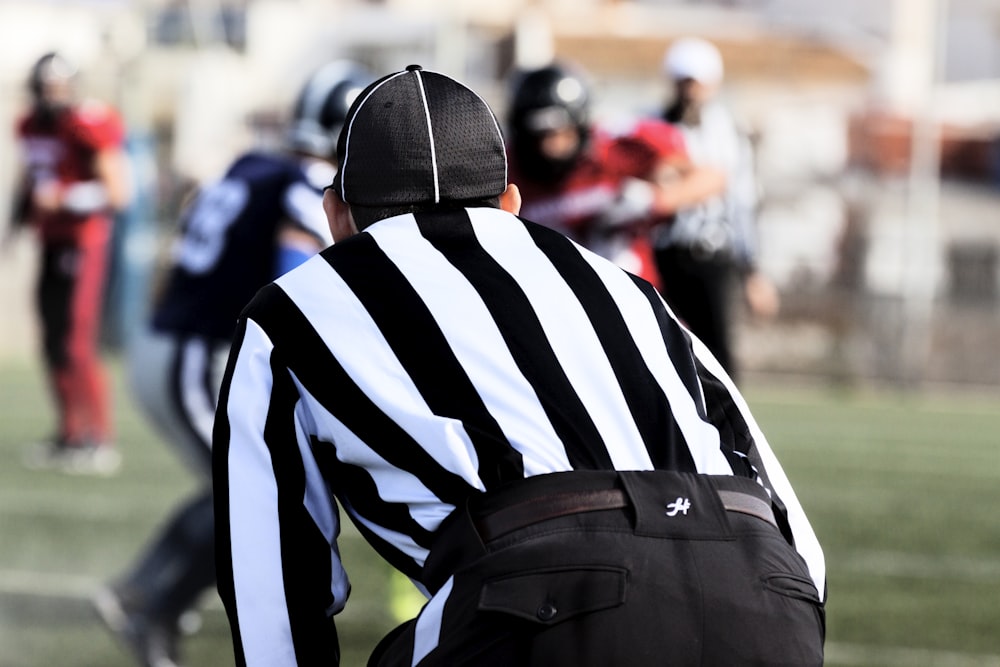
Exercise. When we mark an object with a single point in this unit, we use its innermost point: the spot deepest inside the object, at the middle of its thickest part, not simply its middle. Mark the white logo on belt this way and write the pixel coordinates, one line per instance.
(679, 505)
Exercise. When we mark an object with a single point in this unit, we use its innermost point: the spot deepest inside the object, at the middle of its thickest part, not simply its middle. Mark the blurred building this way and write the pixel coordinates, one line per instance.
(876, 125)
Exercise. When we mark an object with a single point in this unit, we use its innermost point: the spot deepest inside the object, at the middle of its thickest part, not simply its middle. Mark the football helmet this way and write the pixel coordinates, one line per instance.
(321, 107)
(51, 84)
(543, 100)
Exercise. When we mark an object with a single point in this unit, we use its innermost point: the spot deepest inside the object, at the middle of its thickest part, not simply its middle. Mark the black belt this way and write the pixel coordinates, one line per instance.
(471, 531)
(514, 517)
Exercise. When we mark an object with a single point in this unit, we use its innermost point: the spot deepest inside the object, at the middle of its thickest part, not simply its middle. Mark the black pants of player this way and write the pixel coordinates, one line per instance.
(700, 289)
(670, 579)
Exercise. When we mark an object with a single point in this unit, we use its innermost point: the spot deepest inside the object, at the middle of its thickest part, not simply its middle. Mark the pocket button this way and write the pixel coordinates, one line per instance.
(547, 612)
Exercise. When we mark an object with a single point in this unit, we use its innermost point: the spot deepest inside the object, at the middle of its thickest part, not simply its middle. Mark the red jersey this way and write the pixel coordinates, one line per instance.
(580, 204)
(63, 153)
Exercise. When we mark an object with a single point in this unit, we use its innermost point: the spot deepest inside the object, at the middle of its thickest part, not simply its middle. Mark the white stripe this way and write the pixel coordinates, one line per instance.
(350, 127)
(395, 485)
(569, 332)
(427, 633)
(320, 505)
(806, 542)
(701, 390)
(843, 653)
(404, 543)
(198, 405)
(254, 523)
(926, 566)
(347, 329)
(471, 331)
(430, 136)
(702, 438)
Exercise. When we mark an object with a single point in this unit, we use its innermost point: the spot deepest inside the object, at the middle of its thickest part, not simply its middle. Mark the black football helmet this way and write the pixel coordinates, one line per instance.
(542, 100)
(50, 83)
(321, 107)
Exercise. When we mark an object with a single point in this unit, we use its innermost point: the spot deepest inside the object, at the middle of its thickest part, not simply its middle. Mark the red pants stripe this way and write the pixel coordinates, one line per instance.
(70, 293)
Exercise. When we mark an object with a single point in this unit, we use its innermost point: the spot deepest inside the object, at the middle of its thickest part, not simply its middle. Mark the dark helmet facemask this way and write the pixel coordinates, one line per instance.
(545, 100)
(51, 85)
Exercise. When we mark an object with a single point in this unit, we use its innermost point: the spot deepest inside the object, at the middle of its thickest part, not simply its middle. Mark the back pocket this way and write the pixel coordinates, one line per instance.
(553, 595)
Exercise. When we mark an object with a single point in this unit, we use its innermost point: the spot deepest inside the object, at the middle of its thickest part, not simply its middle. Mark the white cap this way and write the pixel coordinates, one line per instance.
(693, 58)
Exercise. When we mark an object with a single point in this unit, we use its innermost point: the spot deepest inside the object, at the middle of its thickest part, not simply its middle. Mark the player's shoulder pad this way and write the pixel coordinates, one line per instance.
(618, 125)
(627, 125)
(657, 134)
(93, 112)
(98, 123)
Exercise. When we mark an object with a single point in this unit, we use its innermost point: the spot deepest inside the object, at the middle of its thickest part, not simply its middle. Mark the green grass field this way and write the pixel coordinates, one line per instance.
(904, 493)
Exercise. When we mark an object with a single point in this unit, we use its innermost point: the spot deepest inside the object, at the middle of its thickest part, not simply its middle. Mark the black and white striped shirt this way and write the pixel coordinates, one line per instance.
(429, 358)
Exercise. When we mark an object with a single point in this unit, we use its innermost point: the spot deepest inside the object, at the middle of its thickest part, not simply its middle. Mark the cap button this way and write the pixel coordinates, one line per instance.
(413, 68)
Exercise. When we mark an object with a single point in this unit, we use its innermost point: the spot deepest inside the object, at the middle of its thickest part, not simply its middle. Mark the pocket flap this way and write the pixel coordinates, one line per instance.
(550, 596)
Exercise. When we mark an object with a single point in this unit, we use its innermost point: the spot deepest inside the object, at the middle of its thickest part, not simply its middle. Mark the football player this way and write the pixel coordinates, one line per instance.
(260, 220)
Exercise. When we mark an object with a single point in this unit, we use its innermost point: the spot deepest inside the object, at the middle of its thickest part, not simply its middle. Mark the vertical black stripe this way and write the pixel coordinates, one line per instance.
(734, 433)
(305, 551)
(356, 488)
(452, 234)
(678, 344)
(737, 441)
(308, 357)
(429, 360)
(220, 484)
(648, 404)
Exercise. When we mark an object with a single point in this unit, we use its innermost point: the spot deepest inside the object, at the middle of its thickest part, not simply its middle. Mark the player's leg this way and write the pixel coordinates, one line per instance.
(716, 276)
(89, 381)
(179, 564)
(53, 301)
(175, 381)
(699, 291)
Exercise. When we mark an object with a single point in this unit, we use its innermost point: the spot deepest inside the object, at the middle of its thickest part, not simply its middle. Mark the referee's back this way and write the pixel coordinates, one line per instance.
(517, 424)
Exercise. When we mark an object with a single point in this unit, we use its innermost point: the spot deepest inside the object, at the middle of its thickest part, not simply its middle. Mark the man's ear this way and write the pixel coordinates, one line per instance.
(510, 200)
(338, 216)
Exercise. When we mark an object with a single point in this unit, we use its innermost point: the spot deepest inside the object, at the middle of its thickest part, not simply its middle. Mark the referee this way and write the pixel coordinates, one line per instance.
(518, 425)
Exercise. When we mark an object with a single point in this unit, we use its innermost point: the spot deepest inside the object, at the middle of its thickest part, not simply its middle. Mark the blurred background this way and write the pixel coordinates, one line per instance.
(876, 125)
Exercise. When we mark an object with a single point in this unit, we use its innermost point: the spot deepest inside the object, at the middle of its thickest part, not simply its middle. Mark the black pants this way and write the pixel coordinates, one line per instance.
(700, 291)
(633, 586)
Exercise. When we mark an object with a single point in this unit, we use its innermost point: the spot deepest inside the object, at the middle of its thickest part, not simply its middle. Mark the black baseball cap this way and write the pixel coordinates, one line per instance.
(419, 137)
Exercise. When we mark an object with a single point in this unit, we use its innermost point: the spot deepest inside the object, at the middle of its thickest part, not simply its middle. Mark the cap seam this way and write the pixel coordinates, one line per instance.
(430, 136)
(350, 127)
(398, 145)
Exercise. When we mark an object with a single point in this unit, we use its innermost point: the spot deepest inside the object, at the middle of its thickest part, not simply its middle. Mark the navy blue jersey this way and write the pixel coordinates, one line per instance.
(226, 250)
